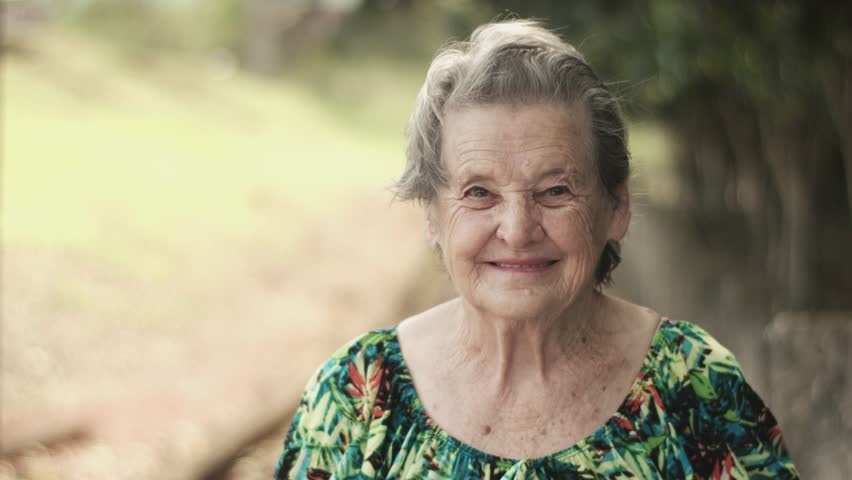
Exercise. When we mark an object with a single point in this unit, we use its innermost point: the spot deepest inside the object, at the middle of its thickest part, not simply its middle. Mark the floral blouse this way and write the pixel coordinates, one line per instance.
(690, 414)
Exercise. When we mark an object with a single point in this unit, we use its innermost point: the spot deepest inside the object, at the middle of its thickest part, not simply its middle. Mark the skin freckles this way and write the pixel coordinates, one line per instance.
(521, 184)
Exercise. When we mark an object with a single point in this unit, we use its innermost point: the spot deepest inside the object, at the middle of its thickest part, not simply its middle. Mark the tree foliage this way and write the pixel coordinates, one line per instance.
(759, 97)
(758, 94)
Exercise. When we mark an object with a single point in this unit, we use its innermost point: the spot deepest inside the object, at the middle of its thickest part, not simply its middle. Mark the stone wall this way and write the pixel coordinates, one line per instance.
(810, 388)
(799, 363)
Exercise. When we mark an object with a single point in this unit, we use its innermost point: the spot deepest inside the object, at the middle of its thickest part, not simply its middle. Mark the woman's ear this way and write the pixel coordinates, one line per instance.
(431, 228)
(431, 236)
(621, 213)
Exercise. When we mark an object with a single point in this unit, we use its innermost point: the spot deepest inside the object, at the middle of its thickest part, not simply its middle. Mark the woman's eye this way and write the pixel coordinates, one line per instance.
(554, 196)
(477, 192)
(479, 198)
(556, 191)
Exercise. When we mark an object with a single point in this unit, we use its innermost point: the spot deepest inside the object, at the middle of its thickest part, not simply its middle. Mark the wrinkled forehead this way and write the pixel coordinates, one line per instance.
(517, 140)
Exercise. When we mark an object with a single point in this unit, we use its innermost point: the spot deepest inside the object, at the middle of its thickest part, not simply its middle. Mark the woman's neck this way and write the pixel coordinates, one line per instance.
(509, 353)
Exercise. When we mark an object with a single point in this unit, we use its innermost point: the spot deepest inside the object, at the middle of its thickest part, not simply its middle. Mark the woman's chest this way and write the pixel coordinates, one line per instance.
(647, 449)
(526, 424)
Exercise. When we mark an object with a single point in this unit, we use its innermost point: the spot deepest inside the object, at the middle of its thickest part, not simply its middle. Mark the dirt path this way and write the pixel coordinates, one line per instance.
(239, 337)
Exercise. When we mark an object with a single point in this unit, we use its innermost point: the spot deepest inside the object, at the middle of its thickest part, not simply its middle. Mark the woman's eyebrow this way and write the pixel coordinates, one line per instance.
(554, 172)
(466, 178)
(559, 172)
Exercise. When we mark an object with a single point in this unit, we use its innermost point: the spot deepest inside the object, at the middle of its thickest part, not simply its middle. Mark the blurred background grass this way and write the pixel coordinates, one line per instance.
(183, 148)
(195, 209)
(177, 150)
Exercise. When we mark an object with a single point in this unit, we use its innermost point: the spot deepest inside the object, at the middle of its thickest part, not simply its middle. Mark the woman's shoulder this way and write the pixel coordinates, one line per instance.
(693, 342)
(343, 400)
(688, 353)
(362, 357)
(702, 381)
(372, 343)
(351, 380)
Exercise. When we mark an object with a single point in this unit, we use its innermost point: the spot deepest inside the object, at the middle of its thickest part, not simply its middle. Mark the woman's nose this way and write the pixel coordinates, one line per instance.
(520, 224)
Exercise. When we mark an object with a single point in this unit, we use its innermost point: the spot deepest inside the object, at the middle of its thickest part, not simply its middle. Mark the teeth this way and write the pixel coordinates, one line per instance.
(505, 265)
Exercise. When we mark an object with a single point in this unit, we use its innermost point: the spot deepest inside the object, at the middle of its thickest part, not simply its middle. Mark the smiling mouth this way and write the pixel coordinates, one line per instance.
(524, 266)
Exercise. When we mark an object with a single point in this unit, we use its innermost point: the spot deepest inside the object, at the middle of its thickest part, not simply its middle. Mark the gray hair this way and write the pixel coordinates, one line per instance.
(513, 62)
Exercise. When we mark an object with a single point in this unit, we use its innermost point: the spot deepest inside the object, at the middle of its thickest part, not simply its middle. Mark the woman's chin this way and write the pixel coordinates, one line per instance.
(520, 303)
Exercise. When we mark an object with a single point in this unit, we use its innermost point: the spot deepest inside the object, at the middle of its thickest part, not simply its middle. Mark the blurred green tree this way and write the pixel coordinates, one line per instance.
(758, 94)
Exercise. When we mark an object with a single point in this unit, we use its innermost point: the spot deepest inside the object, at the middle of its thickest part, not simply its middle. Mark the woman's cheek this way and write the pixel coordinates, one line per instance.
(455, 241)
(574, 233)
(467, 230)
(572, 227)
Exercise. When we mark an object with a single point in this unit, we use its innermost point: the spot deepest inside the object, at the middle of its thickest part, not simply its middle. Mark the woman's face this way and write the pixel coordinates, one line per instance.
(523, 219)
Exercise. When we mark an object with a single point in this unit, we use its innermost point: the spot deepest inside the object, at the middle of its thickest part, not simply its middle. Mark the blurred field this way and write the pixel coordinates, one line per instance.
(177, 149)
(168, 227)
(183, 243)
(137, 165)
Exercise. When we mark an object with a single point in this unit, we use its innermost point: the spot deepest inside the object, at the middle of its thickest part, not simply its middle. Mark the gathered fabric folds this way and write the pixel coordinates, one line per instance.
(689, 414)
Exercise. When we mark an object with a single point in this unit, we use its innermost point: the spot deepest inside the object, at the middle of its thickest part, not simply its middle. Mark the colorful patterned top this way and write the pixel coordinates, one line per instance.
(689, 415)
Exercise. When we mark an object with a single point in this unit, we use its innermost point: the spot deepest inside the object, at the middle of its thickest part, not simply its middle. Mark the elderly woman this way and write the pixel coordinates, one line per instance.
(517, 152)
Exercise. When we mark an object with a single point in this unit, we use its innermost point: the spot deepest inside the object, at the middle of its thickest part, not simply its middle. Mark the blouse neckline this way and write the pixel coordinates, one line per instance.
(421, 416)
